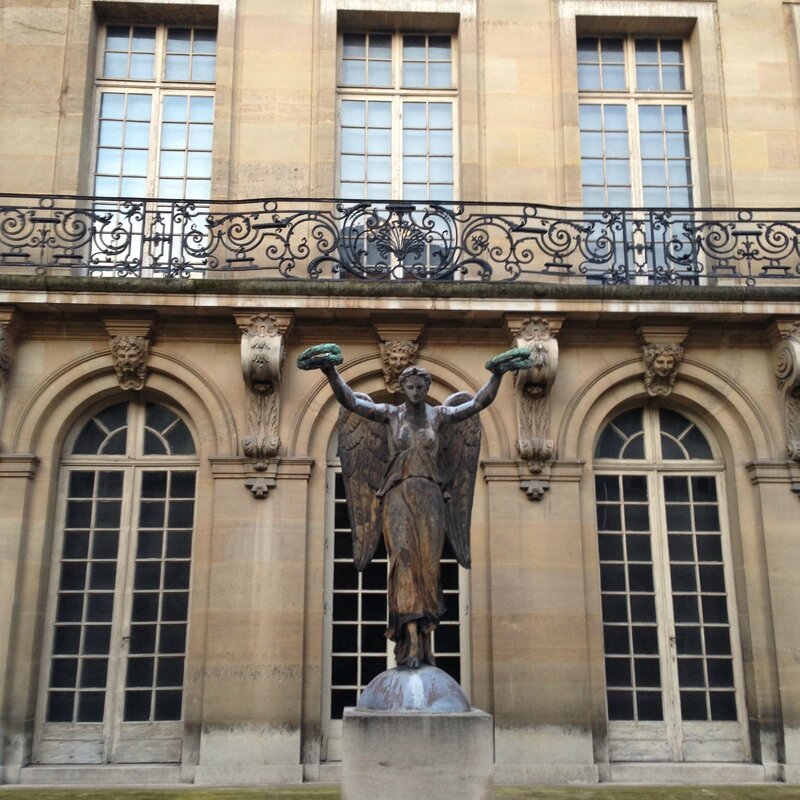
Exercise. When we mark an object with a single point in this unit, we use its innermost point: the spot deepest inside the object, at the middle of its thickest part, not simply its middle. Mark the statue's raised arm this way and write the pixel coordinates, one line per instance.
(409, 473)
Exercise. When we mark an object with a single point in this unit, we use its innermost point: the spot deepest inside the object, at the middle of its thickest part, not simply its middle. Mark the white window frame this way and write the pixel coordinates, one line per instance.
(111, 740)
(633, 99)
(158, 87)
(396, 95)
(673, 739)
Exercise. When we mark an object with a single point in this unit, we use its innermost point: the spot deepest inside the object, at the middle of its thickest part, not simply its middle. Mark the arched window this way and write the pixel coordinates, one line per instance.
(115, 649)
(672, 668)
(356, 616)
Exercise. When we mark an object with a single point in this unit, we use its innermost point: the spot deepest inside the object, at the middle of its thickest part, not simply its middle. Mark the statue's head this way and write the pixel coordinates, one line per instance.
(415, 382)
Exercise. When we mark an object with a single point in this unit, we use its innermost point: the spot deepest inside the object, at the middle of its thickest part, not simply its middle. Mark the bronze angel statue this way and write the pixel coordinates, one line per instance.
(409, 474)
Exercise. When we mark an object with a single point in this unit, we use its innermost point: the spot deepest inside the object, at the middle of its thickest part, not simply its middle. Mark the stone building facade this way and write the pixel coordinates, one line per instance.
(176, 602)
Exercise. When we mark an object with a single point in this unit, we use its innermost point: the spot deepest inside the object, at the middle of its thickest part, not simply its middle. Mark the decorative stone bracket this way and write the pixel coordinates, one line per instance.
(535, 447)
(662, 350)
(7, 330)
(399, 349)
(130, 348)
(786, 360)
(8, 325)
(262, 360)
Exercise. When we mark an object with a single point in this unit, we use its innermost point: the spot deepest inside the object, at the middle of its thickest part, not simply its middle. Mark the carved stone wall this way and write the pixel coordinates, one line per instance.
(262, 352)
(534, 445)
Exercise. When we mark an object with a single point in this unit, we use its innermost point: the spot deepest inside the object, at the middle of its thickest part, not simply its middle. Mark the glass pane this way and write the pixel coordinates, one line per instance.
(413, 75)
(177, 68)
(613, 77)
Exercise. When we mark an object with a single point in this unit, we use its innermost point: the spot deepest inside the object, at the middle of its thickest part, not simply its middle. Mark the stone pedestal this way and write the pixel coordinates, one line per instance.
(414, 734)
(427, 756)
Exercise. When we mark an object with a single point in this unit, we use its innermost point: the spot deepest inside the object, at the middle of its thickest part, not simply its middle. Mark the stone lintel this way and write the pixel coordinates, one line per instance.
(390, 330)
(22, 465)
(667, 332)
(134, 326)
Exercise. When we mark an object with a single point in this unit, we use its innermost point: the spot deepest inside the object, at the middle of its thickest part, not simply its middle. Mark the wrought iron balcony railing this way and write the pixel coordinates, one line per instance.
(372, 241)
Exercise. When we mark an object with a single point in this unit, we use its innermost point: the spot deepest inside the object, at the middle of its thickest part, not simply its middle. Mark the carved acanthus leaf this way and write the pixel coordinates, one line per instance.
(262, 441)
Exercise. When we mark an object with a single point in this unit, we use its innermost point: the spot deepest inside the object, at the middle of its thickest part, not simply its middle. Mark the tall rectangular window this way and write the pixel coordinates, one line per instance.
(634, 122)
(155, 100)
(396, 117)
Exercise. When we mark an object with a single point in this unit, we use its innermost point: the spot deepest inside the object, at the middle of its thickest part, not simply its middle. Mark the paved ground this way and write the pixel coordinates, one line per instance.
(751, 792)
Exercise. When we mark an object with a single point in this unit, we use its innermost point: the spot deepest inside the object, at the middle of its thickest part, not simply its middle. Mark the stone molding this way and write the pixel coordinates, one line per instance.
(502, 471)
(260, 483)
(263, 353)
(786, 362)
(18, 465)
(534, 445)
(130, 349)
(399, 349)
(775, 472)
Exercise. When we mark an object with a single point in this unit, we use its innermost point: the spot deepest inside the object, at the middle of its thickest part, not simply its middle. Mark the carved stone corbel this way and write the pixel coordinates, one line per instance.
(786, 360)
(535, 447)
(130, 348)
(399, 350)
(6, 344)
(262, 359)
(662, 351)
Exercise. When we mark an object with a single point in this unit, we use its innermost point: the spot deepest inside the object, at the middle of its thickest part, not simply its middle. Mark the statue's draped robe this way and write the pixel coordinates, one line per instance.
(413, 520)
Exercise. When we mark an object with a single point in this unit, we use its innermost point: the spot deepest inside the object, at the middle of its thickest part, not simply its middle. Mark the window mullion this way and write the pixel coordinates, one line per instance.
(120, 629)
(666, 627)
(397, 146)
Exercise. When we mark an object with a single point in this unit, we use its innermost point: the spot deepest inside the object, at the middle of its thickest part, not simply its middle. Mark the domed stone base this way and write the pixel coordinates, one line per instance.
(414, 734)
(426, 688)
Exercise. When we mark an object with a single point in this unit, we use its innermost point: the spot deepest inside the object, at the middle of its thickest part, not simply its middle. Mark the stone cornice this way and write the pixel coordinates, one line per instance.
(663, 300)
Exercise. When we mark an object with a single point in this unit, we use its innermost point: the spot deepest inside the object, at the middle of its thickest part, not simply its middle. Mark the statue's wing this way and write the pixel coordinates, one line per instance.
(364, 453)
(458, 463)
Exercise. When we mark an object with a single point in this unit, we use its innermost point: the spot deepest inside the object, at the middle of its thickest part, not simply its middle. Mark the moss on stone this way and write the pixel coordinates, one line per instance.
(400, 289)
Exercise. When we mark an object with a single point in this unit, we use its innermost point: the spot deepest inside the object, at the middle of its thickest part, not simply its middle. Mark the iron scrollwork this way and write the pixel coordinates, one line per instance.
(321, 239)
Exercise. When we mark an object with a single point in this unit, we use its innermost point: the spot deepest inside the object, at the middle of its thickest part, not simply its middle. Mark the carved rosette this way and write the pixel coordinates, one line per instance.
(397, 355)
(786, 360)
(661, 362)
(262, 360)
(534, 444)
(130, 360)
